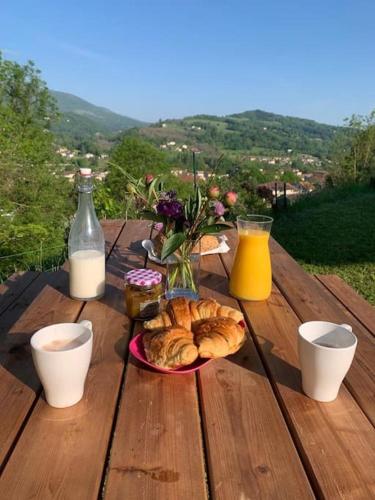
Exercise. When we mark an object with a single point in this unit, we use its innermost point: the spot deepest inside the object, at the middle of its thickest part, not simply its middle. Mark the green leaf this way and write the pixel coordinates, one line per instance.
(214, 228)
(198, 201)
(172, 244)
(147, 214)
(152, 190)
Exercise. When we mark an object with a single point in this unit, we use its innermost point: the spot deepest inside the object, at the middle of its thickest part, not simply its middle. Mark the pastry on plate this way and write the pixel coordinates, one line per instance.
(180, 311)
(206, 244)
(218, 337)
(170, 347)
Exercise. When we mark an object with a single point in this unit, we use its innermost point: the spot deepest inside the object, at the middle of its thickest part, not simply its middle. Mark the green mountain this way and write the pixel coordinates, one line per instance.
(252, 132)
(82, 120)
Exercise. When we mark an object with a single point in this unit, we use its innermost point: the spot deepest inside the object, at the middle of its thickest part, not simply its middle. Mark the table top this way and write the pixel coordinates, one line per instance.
(240, 428)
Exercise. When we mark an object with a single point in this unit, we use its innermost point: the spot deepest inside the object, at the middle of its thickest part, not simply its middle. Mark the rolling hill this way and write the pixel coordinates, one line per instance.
(249, 133)
(82, 120)
(252, 132)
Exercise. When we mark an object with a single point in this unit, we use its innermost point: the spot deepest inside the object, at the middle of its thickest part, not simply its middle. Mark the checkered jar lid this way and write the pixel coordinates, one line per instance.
(143, 277)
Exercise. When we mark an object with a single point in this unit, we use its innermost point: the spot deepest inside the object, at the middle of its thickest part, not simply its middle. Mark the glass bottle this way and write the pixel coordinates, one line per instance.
(251, 275)
(86, 245)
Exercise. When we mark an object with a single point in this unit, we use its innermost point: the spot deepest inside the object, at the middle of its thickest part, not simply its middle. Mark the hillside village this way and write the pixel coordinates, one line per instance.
(288, 153)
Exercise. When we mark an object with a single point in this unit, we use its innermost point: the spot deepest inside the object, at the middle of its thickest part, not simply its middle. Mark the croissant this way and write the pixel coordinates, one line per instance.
(218, 337)
(170, 347)
(180, 311)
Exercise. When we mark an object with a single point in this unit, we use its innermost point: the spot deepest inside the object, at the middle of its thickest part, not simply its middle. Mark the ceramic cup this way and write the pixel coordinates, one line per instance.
(61, 355)
(326, 351)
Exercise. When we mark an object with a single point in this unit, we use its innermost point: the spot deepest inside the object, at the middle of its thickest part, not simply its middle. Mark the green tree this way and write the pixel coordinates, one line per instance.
(289, 176)
(24, 93)
(354, 153)
(135, 157)
(35, 200)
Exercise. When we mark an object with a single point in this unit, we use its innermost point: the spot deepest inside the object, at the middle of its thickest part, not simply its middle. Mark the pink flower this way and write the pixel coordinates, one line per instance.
(230, 198)
(213, 192)
(219, 209)
(148, 179)
(158, 226)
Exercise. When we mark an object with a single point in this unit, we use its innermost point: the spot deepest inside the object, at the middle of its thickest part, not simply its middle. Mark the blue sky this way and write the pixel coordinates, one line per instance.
(164, 59)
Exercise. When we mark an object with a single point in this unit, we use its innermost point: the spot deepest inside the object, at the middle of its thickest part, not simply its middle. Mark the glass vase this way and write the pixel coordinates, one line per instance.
(183, 269)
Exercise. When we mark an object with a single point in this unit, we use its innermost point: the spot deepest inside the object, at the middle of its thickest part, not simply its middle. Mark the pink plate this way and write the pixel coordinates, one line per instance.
(136, 348)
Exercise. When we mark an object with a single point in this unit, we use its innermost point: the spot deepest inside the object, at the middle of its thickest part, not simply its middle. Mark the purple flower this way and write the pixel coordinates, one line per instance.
(219, 209)
(168, 195)
(170, 208)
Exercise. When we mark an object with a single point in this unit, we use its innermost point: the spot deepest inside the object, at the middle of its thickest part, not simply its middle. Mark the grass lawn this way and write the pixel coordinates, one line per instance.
(333, 232)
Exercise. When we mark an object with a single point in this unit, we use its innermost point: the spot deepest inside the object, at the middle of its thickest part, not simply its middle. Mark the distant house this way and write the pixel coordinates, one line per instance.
(319, 177)
(270, 190)
(307, 187)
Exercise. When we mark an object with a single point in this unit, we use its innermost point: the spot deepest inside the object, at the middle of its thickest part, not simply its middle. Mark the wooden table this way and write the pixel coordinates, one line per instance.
(239, 429)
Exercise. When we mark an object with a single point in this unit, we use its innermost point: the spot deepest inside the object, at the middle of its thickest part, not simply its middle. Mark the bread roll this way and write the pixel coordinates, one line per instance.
(206, 244)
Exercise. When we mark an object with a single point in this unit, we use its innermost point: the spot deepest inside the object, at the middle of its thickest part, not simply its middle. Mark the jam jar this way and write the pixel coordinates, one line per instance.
(143, 293)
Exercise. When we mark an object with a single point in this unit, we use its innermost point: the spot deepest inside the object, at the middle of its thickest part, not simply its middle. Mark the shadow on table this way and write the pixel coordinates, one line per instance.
(123, 260)
(276, 369)
(15, 358)
(213, 281)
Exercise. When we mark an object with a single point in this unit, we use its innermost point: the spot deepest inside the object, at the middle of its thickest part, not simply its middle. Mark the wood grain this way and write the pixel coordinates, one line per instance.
(312, 301)
(335, 440)
(19, 385)
(14, 286)
(157, 450)
(61, 453)
(358, 306)
(249, 448)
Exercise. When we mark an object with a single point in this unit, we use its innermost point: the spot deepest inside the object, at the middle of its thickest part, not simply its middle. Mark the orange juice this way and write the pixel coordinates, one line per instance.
(251, 276)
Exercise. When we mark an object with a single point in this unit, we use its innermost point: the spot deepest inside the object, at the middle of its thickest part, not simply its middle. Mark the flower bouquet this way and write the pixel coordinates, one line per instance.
(182, 224)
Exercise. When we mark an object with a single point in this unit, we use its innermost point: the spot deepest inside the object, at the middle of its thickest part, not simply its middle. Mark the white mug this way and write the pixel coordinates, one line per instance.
(63, 372)
(326, 351)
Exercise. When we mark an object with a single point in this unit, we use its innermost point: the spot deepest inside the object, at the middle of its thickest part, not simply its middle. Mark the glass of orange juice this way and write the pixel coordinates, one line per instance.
(251, 275)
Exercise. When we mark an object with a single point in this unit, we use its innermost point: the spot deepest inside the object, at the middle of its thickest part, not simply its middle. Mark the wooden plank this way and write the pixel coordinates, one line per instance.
(55, 279)
(357, 305)
(61, 453)
(157, 450)
(312, 301)
(19, 384)
(335, 440)
(14, 286)
(250, 451)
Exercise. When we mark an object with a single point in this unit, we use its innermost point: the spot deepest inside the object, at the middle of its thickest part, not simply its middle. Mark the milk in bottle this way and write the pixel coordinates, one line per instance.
(86, 245)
